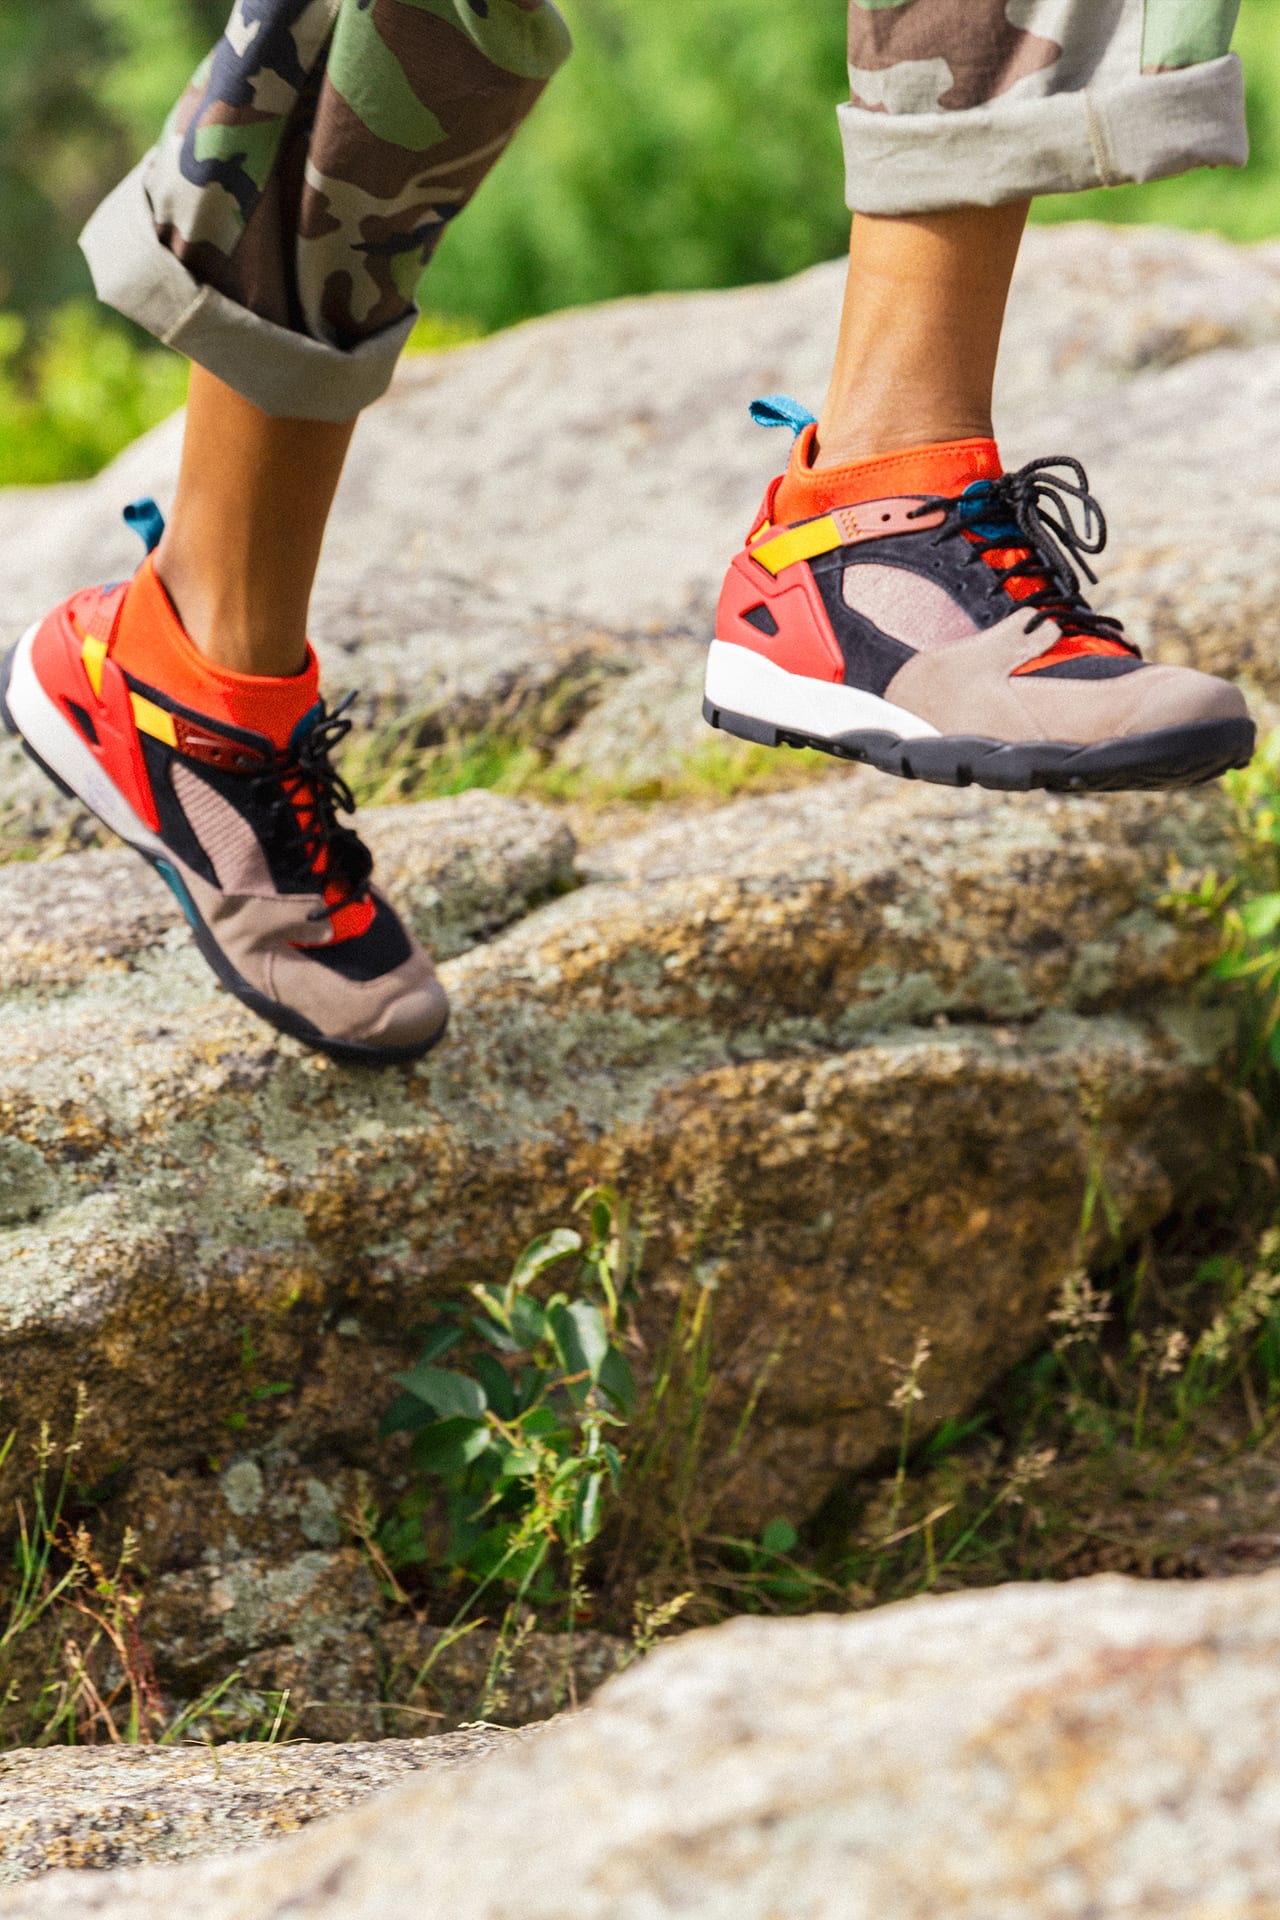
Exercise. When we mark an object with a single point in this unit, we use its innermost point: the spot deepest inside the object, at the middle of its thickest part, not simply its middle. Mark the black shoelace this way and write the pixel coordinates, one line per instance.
(303, 784)
(1031, 510)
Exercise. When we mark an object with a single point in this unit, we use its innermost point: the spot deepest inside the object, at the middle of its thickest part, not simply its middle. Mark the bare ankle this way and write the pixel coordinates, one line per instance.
(842, 441)
(222, 623)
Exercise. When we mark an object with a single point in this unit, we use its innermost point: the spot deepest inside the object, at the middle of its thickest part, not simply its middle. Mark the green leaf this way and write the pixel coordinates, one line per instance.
(401, 1540)
(614, 1462)
(497, 1386)
(444, 1391)
(405, 1415)
(618, 1381)
(581, 1338)
(494, 1302)
(495, 1332)
(539, 1421)
(588, 1510)
(450, 1446)
(779, 1537)
(542, 1253)
(494, 1551)
(438, 1339)
(1261, 916)
(528, 1322)
(530, 1385)
(1273, 1045)
(952, 1434)
(516, 1463)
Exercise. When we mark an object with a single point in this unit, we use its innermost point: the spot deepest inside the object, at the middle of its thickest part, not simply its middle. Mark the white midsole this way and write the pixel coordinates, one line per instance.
(745, 682)
(51, 735)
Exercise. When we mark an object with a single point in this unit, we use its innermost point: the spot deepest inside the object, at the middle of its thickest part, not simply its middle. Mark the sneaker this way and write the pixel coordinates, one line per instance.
(923, 613)
(226, 784)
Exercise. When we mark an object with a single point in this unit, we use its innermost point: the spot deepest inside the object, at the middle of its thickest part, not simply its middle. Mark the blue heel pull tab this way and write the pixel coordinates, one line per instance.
(147, 521)
(780, 410)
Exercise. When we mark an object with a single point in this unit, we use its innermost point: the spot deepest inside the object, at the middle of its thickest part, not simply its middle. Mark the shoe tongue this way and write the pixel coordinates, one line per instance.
(152, 646)
(946, 468)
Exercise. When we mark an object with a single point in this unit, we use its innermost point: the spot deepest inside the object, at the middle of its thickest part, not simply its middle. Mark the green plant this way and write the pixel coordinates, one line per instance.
(515, 1435)
(256, 1390)
(1246, 905)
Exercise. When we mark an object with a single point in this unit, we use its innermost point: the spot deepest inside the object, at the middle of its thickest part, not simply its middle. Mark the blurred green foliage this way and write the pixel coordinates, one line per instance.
(683, 146)
(83, 390)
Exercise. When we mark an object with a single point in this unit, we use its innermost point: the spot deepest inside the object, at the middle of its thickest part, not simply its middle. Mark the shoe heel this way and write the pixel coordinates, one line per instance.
(741, 725)
(6, 674)
(11, 727)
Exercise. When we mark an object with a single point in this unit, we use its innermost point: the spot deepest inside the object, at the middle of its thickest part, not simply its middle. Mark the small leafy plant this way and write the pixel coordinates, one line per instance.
(1244, 905)
(516, 1435)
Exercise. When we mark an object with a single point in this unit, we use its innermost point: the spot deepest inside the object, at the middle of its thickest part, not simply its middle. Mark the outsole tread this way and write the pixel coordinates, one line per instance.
(1173, 757)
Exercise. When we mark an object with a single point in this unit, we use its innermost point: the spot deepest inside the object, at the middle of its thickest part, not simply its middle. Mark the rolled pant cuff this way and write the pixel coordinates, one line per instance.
(1142, 129)
(287, 374)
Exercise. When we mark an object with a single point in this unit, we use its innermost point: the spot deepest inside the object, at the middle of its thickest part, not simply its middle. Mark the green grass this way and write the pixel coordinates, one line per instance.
(391, 766)
(74, 1665)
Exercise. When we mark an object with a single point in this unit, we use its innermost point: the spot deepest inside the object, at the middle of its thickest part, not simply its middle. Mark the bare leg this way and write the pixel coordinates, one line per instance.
(923, 312)
(239, 556)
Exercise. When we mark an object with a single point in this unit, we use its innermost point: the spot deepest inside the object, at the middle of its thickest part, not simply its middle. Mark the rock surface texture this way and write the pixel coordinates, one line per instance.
(881, 1037)
(1097, 1751)
(102, 1807)
(885, 1031)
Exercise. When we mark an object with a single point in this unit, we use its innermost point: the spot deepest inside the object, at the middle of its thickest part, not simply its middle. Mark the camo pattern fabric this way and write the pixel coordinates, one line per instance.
(318, 154)
(943, 56)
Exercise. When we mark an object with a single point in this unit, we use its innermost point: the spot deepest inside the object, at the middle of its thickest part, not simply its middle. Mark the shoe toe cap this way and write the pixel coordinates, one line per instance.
(396, 1015)
(413, 1021)
(1182, 697)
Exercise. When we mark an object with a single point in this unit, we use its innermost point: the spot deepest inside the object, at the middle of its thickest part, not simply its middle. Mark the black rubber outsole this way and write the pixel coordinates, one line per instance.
(1171, 757)
(350, 1052)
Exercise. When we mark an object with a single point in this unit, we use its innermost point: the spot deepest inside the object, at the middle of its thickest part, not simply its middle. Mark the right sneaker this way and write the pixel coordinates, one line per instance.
(922, 612)
(226, 784)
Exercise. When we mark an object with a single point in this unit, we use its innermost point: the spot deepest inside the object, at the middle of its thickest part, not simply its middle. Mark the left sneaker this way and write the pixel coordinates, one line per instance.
(922, 612)
(225, 782)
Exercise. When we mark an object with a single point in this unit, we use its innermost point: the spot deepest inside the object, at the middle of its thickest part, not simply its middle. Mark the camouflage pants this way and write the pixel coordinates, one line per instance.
(974, 102)
(277, 230)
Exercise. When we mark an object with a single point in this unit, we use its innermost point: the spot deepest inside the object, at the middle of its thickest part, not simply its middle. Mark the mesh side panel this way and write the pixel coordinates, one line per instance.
(226, 836)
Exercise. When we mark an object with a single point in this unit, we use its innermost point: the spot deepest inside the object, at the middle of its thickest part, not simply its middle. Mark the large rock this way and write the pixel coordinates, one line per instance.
(1099, 1751)
(870, 1028)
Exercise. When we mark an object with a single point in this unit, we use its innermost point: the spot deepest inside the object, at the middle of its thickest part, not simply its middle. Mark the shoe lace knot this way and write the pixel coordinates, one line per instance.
(1030, 515)
(304, 780)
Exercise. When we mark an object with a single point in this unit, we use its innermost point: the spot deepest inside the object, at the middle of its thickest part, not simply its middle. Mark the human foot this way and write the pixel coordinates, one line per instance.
(225, 782)
(922, 612)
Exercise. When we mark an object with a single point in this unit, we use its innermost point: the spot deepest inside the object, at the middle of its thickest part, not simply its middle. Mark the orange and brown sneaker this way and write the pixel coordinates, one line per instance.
(225, 783)
(922, 612)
